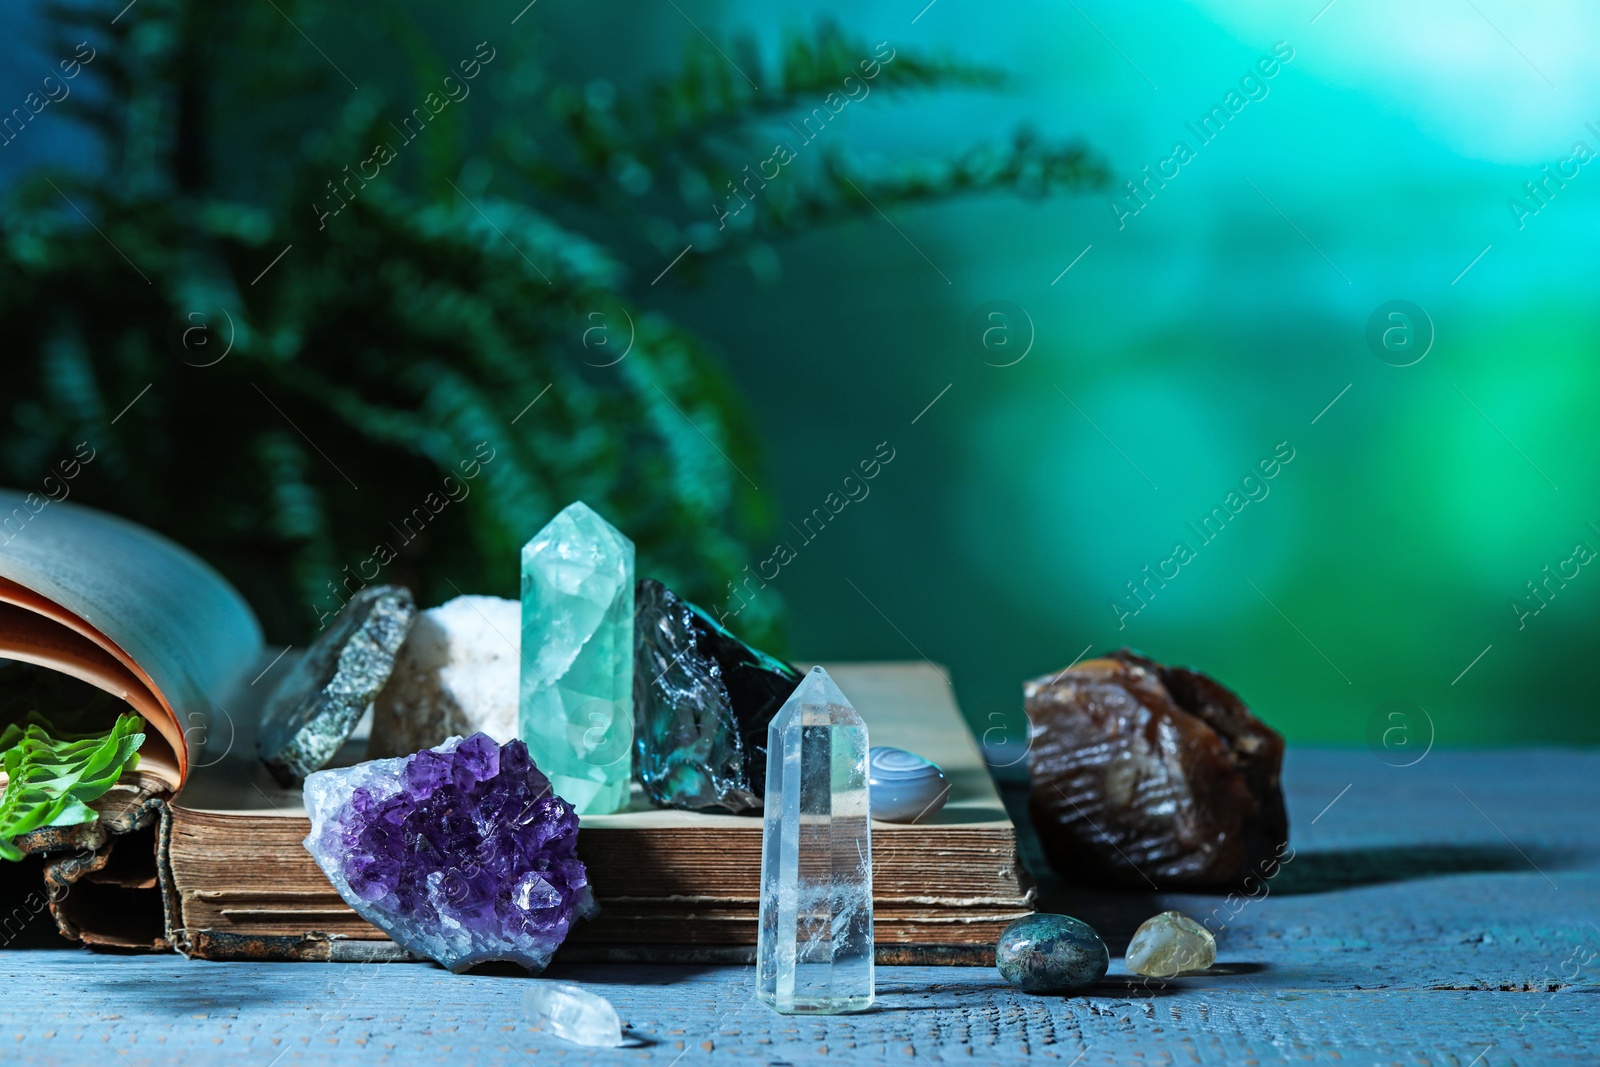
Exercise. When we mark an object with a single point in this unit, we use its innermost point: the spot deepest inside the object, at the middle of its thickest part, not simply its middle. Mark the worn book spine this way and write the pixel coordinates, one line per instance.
(286, 910)
(319, 947)
(672, 886)
(101, 878)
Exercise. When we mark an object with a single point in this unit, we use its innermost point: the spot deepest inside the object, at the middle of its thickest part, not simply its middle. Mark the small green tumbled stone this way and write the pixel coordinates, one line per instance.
(1051, 954)
(1170, 944)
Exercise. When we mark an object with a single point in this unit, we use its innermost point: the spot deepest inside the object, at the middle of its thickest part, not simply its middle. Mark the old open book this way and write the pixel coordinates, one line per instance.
(672, 885)
(199, 849)
(100, 616)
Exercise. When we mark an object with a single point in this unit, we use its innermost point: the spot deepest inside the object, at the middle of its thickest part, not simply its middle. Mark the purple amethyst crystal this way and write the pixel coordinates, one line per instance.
(460, 853)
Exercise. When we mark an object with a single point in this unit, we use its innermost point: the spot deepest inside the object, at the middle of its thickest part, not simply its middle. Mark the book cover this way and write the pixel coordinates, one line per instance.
(100, 616)
(673, 886)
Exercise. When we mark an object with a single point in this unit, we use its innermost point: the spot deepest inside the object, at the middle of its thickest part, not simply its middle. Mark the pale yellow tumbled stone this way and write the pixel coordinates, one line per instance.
(1170, 944)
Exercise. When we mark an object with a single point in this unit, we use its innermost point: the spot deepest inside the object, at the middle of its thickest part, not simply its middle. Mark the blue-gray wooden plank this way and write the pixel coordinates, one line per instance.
(1444, 913)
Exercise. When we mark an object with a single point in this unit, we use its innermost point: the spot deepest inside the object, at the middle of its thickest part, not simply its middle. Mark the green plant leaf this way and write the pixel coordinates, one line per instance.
(504, 260)
(50, 782)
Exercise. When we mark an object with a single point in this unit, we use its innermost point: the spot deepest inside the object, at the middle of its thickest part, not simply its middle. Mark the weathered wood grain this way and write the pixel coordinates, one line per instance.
(1443, 914)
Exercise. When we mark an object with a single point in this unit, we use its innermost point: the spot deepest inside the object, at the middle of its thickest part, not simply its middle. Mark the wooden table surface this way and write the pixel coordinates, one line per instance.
(1443, 913)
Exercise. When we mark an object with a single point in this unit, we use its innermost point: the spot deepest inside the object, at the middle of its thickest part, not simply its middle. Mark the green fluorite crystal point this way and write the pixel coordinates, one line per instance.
(814, 940)
(576, 707)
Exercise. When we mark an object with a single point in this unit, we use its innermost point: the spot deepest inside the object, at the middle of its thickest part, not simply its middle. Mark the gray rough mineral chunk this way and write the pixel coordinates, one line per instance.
(317, 704)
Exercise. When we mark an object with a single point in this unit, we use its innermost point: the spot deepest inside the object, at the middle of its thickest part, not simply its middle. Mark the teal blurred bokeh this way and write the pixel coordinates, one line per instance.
(1219, 321)
(1164, 354)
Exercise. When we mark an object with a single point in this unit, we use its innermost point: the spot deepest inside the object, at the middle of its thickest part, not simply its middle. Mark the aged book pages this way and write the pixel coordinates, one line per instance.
(181, 633)
(669, 882)
(130, 613)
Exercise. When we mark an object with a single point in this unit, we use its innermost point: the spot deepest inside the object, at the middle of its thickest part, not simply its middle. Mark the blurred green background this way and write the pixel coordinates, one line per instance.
(1181, 348)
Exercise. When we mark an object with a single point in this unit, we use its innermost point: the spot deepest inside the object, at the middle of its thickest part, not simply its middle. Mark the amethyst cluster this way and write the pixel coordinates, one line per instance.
(460, 853)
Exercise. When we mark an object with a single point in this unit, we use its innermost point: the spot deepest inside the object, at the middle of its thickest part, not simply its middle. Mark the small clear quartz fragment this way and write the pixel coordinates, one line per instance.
(814, 939)
(1170, 944)
(572, 1013)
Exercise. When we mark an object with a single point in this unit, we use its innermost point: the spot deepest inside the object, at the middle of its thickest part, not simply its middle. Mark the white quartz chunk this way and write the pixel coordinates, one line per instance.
(455, 675)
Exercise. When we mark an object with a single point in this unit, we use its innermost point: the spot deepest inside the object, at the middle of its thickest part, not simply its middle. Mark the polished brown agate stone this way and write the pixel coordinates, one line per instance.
(1148, 776)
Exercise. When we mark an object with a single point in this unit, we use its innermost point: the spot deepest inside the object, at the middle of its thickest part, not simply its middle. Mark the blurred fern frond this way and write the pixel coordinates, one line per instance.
(404, 382)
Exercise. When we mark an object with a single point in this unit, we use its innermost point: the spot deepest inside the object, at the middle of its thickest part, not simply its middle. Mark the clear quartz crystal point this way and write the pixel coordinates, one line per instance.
(572, 1013)
(576, 700)
(814, 945)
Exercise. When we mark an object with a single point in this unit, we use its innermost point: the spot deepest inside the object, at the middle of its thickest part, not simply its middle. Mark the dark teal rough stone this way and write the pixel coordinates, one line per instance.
(702, 702)
(1051, 954)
